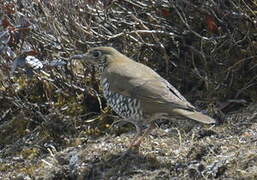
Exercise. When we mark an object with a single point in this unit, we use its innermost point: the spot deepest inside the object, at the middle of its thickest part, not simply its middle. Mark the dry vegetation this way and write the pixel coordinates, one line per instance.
(54, 123)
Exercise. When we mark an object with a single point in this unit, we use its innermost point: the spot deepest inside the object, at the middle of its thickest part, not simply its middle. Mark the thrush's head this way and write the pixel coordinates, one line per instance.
(103, 56)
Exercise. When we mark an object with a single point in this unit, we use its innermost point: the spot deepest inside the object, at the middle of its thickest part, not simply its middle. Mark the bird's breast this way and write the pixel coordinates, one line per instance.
(124, 106)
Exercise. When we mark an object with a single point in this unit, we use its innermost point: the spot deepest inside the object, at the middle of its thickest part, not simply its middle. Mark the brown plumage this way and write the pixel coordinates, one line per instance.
(137, 93)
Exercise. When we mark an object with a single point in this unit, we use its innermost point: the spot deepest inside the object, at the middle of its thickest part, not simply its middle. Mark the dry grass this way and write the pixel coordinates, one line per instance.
(54, 123)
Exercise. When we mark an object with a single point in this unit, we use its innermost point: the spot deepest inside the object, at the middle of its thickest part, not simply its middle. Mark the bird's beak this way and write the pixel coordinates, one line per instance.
(78, 56)
(87, 57)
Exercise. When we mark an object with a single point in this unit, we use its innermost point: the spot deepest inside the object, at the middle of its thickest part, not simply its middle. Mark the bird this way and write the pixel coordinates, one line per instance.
(137, 93)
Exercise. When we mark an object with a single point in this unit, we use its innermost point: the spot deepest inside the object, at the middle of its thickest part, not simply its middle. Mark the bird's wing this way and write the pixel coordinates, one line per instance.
(139, 81)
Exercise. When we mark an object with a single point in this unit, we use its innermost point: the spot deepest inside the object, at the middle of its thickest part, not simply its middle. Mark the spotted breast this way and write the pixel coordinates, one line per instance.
(126, 107)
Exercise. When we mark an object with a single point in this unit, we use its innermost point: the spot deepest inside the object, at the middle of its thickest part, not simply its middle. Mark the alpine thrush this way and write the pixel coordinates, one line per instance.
(137, 93)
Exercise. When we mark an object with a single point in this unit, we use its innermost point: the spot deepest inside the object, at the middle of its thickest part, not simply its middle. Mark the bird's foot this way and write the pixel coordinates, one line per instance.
(135, 145)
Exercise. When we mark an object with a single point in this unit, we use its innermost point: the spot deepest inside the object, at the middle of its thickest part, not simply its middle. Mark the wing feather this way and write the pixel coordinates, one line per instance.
(136, 80)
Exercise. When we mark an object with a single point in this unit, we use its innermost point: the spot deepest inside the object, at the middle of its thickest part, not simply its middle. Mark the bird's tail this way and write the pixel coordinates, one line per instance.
(197, 116)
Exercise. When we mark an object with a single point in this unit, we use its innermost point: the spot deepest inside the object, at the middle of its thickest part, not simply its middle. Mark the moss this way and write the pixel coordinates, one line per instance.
(29, 153)
(14, 128)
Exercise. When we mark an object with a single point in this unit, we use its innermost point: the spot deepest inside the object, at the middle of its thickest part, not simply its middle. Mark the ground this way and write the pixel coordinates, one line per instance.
(204, 152)
(54, 120)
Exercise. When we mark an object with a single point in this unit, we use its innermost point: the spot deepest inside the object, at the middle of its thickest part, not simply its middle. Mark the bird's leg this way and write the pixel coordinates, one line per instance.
(139, 138)
(139, 131)
(135, 144)
(132, 147)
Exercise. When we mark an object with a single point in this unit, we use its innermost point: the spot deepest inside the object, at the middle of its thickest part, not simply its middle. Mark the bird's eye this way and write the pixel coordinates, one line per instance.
(96, 54)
